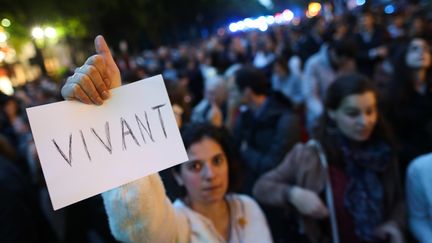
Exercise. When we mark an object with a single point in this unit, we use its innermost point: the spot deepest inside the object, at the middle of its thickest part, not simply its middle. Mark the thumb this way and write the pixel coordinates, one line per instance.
(103, 49)
(112, 74)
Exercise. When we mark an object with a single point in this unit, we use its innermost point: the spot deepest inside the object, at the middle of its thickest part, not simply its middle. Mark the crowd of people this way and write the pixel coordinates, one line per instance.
(318, 131)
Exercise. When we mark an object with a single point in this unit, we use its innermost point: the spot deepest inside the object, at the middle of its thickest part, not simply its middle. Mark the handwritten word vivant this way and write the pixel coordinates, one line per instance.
(145, 130)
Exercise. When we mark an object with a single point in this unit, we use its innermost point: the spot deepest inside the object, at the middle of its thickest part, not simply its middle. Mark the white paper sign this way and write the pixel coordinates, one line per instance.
(87, 149)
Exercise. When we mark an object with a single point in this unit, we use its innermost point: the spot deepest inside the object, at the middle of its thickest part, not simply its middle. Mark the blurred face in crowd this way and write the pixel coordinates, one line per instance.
(418, 54)
(356, 116)
(11, 108)
(217, 94)
(205, 176)
(367, 21)
(320, 26)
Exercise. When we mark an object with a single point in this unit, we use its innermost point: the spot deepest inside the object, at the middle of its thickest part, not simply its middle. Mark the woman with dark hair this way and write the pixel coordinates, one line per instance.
(410, 99)
(351, 165)
(141, 212)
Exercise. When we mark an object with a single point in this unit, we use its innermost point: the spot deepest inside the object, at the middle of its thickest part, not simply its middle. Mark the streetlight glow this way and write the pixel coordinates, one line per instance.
(313, 9)
(6, 22)
(37, 33)
(3, 37)
(50, 32)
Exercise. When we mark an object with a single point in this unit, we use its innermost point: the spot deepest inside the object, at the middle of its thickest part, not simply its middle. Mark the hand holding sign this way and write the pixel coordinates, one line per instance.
(86, 149)
(91, 82)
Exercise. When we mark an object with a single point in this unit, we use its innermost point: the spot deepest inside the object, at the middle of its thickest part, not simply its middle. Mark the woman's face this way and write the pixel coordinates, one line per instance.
(356, 116)
(205, 176)
(418, 54)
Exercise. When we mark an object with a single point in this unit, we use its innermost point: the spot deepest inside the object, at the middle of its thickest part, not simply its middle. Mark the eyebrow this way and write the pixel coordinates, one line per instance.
(212, 157)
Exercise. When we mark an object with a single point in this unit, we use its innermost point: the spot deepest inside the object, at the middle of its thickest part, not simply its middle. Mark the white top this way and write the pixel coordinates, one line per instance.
(419, 197)
(141, 212)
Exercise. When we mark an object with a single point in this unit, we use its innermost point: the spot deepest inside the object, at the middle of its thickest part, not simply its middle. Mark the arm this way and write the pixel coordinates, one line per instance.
(281, 186)
(140, 212)
(287, 134)
(418, 209)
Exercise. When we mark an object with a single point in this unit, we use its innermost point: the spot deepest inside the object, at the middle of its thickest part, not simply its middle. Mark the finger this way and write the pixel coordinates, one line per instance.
(93, 73)
(87, 86)
(98, 61)
(81, 95)
(67, 90)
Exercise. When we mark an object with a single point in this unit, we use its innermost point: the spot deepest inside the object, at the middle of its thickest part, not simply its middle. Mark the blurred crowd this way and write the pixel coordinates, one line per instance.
(270, 90)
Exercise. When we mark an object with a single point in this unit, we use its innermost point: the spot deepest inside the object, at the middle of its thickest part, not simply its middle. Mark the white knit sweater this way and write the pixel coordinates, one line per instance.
(141, 212)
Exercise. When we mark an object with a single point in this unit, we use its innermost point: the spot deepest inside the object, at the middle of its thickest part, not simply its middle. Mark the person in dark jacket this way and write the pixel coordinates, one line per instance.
(409, 101)
(371, 46)
(265, 130)
(21, 216)
(266, 127)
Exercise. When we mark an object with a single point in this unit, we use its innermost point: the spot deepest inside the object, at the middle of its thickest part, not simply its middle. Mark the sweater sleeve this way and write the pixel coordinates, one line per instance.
(418, 209)
(272, 187)
(140, 212)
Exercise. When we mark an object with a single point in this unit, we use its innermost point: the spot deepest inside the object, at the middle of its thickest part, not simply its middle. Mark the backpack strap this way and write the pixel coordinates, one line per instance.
(328, 189)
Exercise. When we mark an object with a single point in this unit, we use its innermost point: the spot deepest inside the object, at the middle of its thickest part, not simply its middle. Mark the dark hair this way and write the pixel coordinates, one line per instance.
(344, 47)
(402, 86)
(253, 78)
(195, 132)
(283, 63)
(342, 87)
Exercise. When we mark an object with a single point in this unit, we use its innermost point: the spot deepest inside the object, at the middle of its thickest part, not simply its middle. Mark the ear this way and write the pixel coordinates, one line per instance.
(178, 178)
(331, 114)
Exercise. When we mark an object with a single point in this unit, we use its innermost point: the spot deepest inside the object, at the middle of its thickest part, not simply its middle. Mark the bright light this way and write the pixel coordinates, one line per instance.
(266, 3)
(2, 56)
(233, 27)
(6, 86)
(389, 9)
(262, 19)
(5, 22)
(261, 23)
(287, 15)
(50, 32)
(37, 33)
(263, 27)
(278, 18)
(361, 2)
(3, 37)
(314, 8)
(249, 23)
(241, 25)
(270, 20)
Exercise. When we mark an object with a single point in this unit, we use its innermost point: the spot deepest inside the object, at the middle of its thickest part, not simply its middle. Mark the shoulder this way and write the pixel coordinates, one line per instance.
(243, 198)
(244, 206)
(421, 165)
